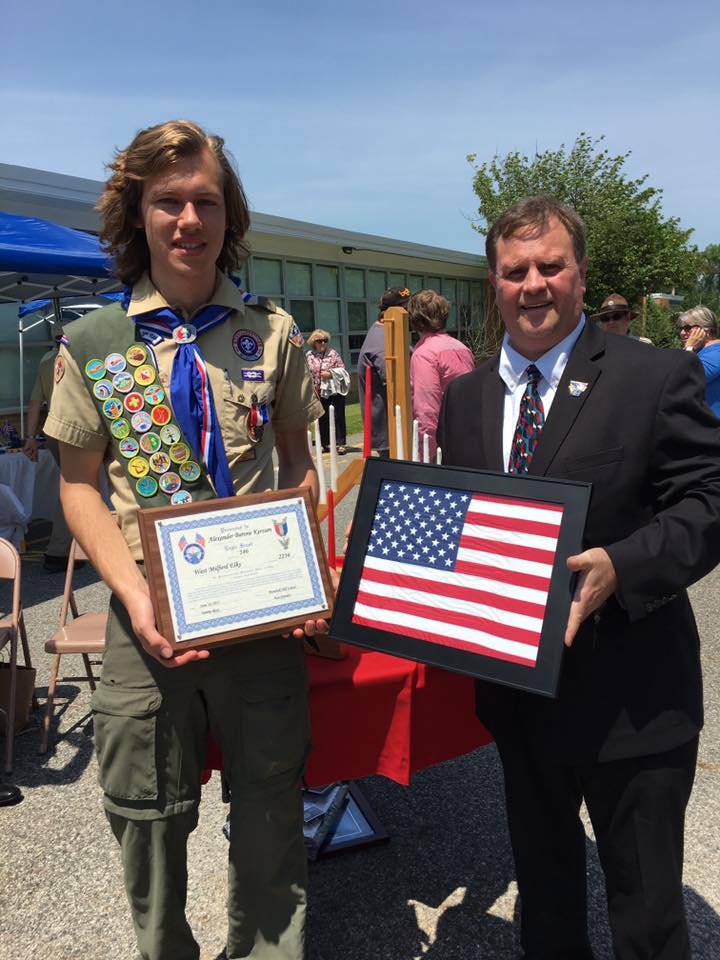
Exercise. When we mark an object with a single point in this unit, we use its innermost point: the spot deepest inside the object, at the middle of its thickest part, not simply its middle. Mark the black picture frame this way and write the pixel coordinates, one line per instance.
(541, 677)
(357, 826)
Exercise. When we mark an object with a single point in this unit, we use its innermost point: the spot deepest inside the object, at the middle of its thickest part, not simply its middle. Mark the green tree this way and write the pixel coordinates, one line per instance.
(706, 288)
(632, 248)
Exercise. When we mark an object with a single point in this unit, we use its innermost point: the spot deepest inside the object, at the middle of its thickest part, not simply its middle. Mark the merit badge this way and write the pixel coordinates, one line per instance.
(170, 482)
(123, 382)
(59, 369)
(129, 447)
(179, 452)
(295, 336)
(170, 434)
(147, 486)
(161, 415)
(182, 496)
(95, 369)
(136, 354)
(134, 402)
(138, 467)
(192, 551)
(103, 389)
(115, 362)
(112, 408)
(150, 443)
(145, 374)
(576, 388)
(185, 333)
(154, 394)
(189, 471)
(247, 344)
(120, 429)
(159, 462)
(141, 422)
(256, 376)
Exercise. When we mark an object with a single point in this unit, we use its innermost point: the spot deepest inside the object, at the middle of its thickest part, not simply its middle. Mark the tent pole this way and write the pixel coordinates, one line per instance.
(22, 380)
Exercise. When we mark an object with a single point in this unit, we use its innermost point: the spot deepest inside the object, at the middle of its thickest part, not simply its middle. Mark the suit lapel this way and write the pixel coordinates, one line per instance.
(491, 417)
(582, 367)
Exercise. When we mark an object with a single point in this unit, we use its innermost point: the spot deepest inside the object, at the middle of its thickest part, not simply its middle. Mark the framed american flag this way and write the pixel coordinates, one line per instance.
(463, 569)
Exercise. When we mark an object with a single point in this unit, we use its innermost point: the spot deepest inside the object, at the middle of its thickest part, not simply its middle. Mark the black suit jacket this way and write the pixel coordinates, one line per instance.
(643, 435)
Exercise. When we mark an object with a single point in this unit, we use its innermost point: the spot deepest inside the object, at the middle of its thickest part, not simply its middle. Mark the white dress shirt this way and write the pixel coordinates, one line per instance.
(512, 370)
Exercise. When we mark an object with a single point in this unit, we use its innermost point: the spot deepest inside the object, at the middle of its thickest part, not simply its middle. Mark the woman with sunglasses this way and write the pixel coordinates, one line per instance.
(331, 381)
(698, 329)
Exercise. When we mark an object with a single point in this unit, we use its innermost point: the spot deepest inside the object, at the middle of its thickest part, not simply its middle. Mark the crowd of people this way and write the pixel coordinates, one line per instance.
(567, 396)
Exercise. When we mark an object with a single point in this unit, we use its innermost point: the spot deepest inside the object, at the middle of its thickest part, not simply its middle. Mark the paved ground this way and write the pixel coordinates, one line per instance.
(442, 888)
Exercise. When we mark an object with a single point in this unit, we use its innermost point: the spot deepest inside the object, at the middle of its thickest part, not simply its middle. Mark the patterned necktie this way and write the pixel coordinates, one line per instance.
(190, 389)
(530, 423)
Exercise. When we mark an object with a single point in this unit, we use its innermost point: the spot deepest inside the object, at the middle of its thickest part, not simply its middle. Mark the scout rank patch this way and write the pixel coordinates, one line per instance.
(125, 385)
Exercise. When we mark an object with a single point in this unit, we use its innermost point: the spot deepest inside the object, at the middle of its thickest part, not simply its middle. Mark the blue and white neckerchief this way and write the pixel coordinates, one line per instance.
(190, 389)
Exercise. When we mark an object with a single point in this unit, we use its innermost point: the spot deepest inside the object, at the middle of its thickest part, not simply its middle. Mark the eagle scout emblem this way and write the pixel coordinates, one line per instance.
(59, 369)
(193, 552)
(295, 336)
(576, 388)
(281, 532)
(185, 333)
(247, 344)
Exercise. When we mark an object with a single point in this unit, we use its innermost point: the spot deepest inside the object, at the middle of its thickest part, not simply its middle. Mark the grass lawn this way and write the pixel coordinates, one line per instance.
(353, 420)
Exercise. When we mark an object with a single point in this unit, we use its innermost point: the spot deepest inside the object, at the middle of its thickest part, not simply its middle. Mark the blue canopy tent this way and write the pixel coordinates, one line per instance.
(40, 259)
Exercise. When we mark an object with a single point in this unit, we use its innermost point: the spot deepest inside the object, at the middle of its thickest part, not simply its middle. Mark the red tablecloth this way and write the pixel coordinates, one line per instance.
(372, 713)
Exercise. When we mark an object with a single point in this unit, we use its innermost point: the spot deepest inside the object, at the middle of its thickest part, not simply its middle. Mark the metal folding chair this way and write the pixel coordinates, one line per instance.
(11, 627)
(84, 634)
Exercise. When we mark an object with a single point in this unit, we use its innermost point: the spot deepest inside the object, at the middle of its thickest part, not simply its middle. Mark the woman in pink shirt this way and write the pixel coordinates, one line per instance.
(436, 360)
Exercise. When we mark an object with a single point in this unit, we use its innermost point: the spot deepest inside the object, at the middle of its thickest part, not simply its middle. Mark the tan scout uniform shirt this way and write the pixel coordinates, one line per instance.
(286, 388)
(43, 388)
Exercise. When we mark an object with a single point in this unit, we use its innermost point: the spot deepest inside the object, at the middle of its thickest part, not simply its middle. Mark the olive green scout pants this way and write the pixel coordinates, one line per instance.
(151, 728)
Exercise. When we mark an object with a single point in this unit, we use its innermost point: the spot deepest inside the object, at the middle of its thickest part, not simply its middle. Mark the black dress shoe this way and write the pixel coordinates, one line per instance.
(9, 795)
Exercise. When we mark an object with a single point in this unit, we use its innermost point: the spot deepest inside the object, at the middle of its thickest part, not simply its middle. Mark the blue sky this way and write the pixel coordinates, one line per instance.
(360, 115)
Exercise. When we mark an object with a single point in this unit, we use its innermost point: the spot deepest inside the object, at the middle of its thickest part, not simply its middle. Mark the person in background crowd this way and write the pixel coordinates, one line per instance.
(56, 553)
(436, 360)
(565, 400)
(190, 370)
(331, 382)
(372, 355)
(698, 330)
(615, 315)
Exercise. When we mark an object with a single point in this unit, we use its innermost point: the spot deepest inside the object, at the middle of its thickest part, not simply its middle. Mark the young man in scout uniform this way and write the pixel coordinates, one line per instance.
(185, 389)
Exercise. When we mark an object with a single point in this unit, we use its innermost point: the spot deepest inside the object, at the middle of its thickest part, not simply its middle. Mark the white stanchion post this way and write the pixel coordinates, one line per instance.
(400, 449)
(416, 442)
(438, 455)
(319, 466)
(333, 450)
(426, 448)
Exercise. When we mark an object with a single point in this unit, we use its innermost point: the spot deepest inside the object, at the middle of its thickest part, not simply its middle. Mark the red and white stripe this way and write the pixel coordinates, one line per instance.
(494, 600)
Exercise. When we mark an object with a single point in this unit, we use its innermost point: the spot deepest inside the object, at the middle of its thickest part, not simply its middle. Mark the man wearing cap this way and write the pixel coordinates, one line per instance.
(56, 553)
(372, 356)
(185, 389)
(565, 400)
(615, 316)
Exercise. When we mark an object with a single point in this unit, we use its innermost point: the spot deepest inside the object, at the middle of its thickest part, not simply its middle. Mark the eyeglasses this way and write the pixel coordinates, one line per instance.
(686, 326)
(614, 316)
(320, 340)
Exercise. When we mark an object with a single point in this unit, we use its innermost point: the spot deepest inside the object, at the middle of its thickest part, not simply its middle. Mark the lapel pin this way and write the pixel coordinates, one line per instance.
(576, 388)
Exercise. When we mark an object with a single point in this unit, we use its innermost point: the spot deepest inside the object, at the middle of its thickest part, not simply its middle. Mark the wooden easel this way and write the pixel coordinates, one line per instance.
(397, 368)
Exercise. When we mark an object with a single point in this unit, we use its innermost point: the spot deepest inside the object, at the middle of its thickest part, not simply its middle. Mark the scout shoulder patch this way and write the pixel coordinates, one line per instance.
(295, 336)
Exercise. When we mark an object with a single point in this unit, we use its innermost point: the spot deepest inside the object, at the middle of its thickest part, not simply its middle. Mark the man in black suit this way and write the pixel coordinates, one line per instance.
(623, 732)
